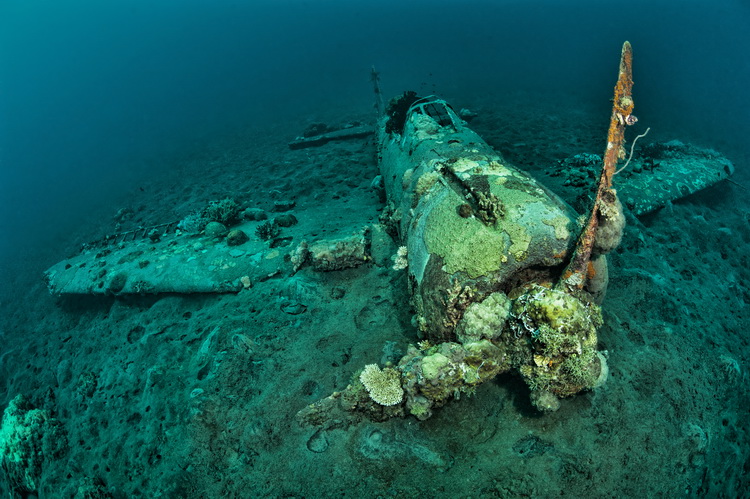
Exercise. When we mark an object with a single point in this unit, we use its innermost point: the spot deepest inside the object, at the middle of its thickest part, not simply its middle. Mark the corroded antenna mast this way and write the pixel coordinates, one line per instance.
(575, 274)
(379, 103)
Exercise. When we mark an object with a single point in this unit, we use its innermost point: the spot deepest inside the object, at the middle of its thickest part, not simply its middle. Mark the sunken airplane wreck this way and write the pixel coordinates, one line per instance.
(503, 275)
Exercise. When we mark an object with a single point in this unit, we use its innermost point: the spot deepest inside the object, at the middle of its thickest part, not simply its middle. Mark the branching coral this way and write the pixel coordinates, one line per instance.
(225, 211)
(267, 230)
(384, 386)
